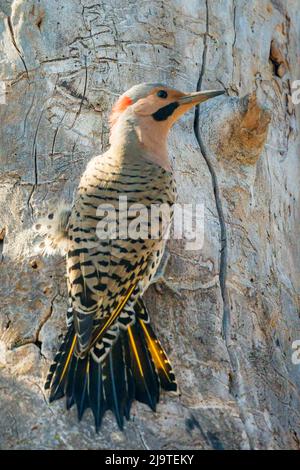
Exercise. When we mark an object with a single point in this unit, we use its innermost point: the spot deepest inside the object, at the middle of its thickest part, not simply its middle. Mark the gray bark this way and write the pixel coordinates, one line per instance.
(64, 63)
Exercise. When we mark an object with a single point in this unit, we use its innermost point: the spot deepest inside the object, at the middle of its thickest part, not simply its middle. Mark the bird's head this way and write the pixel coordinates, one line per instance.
(150, 109)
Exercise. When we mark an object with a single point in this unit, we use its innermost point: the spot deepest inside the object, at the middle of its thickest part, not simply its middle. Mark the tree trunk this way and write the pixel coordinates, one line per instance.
(63, 64)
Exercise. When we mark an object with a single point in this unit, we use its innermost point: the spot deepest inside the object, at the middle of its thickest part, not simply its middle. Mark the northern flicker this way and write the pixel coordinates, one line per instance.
(110, 355)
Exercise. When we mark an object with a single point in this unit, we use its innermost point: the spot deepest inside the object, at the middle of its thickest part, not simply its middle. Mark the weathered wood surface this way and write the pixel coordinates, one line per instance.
(64, 63)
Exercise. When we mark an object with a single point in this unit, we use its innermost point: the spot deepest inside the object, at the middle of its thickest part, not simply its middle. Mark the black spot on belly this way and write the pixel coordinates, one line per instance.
(163, 113)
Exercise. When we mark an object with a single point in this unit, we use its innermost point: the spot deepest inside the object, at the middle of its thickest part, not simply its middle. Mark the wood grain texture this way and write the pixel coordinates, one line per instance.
(64, 64)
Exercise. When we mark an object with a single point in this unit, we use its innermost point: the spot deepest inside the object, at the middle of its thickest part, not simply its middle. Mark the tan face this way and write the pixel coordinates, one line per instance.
(165, 105)
(157, 100)
(152, 116)
(162, 105)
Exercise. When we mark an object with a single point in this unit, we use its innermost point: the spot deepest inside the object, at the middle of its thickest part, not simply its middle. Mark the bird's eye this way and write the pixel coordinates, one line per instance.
(162, 94)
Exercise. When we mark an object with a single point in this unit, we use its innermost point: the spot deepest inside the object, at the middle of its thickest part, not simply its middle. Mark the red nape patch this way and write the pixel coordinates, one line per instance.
(118, 108)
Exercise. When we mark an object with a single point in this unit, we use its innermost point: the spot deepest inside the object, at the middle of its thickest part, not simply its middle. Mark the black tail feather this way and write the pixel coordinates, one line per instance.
(145, 377)
(57, 375)
(115, 385)
(69, 402)
(162, 364)
(57, 363)
(130, 385)
(97, 402)
(135, 368)
(81, 395)
(70, 385)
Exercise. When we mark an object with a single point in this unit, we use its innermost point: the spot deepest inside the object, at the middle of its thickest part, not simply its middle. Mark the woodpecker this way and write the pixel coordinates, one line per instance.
(110, 355)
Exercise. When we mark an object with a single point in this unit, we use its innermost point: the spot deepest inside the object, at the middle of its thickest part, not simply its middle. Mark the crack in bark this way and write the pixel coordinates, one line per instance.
(218, 201)
(13, 40)
(234, 26)
(35, 338)
(45, 319)
(237, 387)
(34, 155)
(84, 92)
(55, 134)
(27, 113)
(234, 13)
(2, 237)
